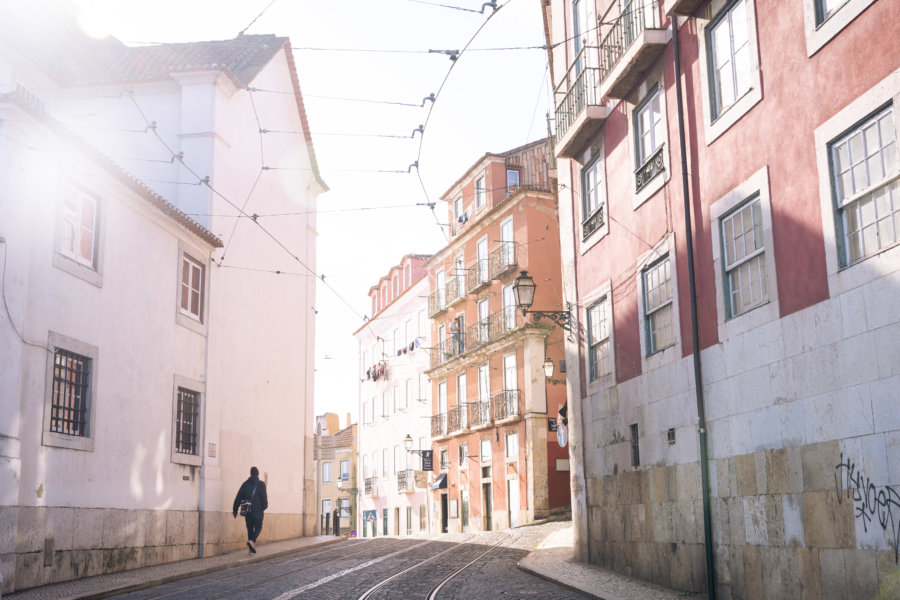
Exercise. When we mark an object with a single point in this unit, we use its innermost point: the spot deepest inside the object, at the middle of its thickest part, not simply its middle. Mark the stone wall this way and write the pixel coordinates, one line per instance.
(41, 545)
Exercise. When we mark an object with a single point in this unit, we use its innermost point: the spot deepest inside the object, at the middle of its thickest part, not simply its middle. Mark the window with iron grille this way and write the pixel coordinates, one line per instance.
(186, 422)
(71, 401)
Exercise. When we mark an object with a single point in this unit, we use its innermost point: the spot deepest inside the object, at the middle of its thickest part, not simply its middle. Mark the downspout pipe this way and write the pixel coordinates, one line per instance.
(695, 336)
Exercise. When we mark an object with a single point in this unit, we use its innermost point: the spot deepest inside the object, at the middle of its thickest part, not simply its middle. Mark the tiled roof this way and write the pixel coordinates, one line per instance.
(29, 104)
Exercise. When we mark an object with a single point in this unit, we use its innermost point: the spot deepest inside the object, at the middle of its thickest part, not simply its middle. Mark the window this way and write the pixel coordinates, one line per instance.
(192, 273)
(648, 126)
(826, 8)
(326, 506)
(326, 472)
(365, 461)
(512, 445)
(744, 264)
(486, 450)
(463, 455)
(730, 65)
(594, 197)
(385, 462)
(635, 448)
(186, 422)
(344, 505)
(824, 19)
(658, 306)
(445, 459)
(71, 400)
(864, 173)
(79, 227)
(483, 320)
(422, 517)
(396, 286)
(512, 180)
(458, 210)
(345, 470)
(483, 383)
(598, 339)
(480, 195)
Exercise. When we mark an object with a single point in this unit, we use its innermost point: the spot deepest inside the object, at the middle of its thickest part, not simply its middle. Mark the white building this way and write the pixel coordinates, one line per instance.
(394, 402)
(192, 325)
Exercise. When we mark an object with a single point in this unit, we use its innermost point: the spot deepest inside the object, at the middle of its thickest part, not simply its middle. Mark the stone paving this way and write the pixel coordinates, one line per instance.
(544, 550)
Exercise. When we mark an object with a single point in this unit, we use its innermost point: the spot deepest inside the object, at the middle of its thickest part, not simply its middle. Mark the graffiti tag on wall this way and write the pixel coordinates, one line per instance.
(871, 502)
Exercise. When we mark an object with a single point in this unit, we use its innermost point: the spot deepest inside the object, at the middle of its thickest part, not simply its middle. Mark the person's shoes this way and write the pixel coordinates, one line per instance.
(252, 548)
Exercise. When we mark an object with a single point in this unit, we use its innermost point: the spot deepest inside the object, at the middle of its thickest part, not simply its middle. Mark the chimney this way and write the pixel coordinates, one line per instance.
(348, 420)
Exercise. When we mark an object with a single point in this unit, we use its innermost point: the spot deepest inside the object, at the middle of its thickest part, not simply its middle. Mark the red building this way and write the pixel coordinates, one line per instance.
(774, 123)
(498, 463)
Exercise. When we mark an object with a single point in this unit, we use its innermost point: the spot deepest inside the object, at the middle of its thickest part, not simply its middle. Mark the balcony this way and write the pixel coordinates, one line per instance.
(439, 426)
(580, 111)
(406, 481)
(371, 487)
(480, 414)
(455, 290)
(631, 42)
(506, 405)
(437, 302)
(448, 348)
(458, 418)
(492, 327)
(503, 259)
(682, 7)
(592, 223)
(477, 276)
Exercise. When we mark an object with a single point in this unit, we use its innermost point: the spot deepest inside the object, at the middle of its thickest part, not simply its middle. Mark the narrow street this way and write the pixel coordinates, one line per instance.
(480, 565)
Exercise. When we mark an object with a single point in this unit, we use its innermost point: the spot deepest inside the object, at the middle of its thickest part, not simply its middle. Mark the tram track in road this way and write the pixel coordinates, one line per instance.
(432, 594)
(262, 572)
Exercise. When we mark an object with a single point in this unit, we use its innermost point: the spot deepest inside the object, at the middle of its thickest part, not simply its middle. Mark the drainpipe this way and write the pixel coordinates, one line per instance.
(695, 337)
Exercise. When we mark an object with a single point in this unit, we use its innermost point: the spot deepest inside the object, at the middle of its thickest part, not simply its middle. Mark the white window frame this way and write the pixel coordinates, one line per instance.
(463, 451)
(756, 185)
(594, 161)
(653, 83)
(819, 34)
(717, 124)
(513, 182)
(326, 472)
(665, 247)
(601, 306)
(514, 436)
(68, 260)
(842, 279)
(63, 440)
(344, 463)
(184, 317)
(482, 457)
(480, 193)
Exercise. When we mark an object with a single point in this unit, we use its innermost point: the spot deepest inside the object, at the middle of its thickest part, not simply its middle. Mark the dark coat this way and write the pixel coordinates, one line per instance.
(259, 500)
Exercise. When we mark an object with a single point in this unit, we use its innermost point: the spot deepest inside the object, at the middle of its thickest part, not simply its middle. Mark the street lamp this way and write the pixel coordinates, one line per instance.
(408, 442)
(523, 289)
(548, 367)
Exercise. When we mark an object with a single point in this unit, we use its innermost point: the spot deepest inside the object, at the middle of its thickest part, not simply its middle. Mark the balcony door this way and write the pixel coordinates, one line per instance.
(481, 250)
(512, 493)
(509, 372)
(509, 308)
(441, 283)
(507, 243)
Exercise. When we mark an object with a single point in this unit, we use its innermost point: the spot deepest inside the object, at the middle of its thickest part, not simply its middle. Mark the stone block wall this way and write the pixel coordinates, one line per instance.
(42, 545)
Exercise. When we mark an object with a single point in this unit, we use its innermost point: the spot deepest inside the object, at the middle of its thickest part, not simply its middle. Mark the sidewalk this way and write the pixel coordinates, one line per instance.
(103, 586)
(553, 560)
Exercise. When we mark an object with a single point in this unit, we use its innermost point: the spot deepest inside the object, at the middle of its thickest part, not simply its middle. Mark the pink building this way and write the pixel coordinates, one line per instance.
(783, 141)
(497, 459)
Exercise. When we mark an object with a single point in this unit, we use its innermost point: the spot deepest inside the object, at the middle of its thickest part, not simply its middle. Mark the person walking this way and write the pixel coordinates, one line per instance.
(252, 501)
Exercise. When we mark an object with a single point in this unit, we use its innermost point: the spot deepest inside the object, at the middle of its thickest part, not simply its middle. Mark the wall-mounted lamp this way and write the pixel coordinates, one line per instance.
(523, 290)
(548, 367)
(407, 443)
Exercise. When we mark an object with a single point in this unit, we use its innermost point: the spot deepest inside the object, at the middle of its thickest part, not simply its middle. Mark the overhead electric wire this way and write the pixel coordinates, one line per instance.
(241, 32)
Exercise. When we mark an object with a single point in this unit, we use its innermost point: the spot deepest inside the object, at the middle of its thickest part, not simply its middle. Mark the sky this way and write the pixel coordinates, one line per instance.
(365, 68)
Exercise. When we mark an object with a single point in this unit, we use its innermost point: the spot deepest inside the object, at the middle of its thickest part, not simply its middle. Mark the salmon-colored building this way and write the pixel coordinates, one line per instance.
(497, 461)
(763, 466)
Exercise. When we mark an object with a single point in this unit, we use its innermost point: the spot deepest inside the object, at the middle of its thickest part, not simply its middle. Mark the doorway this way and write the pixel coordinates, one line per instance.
(444, 515)
(512, 493)
(397, 521)
(488, 505)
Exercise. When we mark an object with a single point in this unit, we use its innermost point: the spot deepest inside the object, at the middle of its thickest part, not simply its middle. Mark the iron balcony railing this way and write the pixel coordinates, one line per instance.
(458, 418)
(577, 90)
(439, 425)
(406, 481)
(437, 302)
(592, 223)
(455, 290)
(479, 413)
(503, 259)
(448, 347)
(506, 405)
(492, 327)
(371, 486)
(623, 28)
(477, 275)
